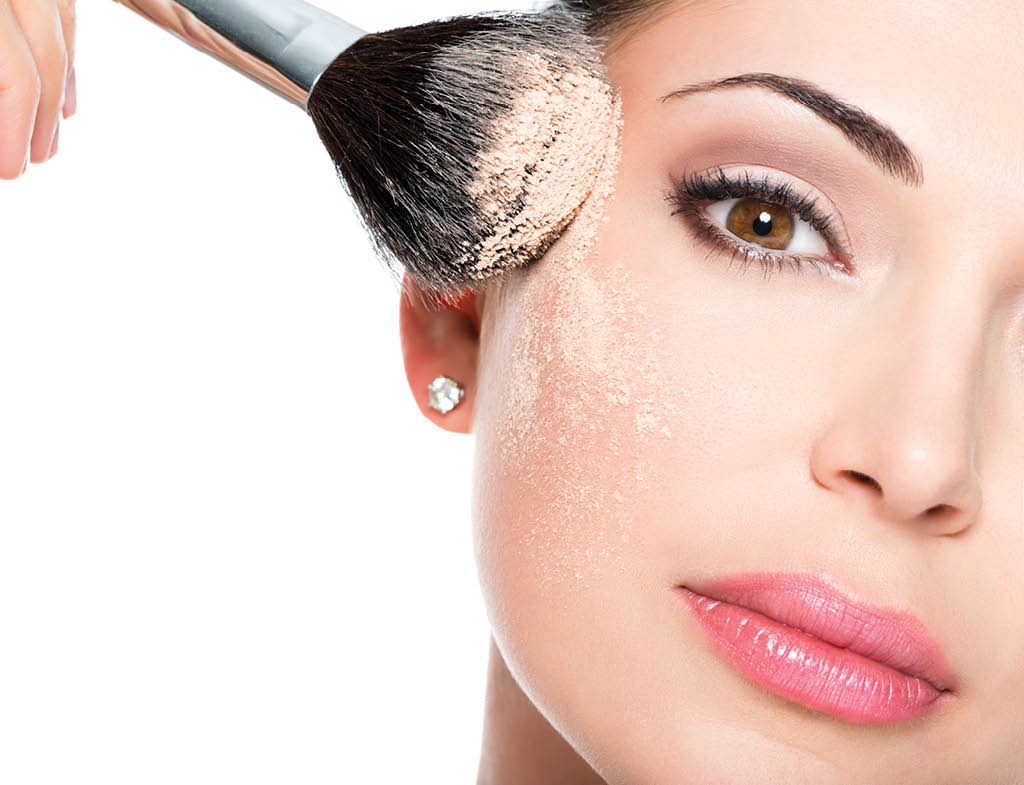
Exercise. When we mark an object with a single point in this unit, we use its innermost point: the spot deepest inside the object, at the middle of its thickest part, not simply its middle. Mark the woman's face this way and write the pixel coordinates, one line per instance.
(651, 415)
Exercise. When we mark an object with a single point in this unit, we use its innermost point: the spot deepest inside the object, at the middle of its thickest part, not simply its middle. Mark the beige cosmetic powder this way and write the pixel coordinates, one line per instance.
(582, 375)
(549, 152)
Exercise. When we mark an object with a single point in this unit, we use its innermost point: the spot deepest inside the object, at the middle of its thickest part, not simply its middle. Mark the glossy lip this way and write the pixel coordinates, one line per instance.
(808, 605)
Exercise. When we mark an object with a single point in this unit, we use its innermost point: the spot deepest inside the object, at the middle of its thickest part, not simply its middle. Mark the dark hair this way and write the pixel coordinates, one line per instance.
(610, 19)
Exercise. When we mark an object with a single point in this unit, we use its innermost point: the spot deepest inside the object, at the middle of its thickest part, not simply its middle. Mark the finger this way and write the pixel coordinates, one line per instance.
(68, 22)
(70, 95)
(19, 95)
(66, 12)
(40, 24)
(53, 144)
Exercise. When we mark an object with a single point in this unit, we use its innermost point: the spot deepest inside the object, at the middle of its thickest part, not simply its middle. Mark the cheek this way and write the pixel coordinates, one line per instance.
(599, 400)
(572, 419)
(573, 425)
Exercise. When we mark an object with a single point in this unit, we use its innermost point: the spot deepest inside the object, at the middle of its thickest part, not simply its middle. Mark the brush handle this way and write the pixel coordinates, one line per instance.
(284, 45)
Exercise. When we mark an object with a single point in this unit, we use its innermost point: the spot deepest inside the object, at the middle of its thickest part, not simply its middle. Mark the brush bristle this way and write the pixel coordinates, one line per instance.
(405, 116)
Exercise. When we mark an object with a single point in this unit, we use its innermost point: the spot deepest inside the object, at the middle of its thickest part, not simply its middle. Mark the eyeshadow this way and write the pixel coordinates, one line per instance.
(880, 143)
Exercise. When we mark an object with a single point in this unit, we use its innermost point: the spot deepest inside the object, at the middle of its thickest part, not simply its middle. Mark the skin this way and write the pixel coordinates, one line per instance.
(690, 421)
(37, 80)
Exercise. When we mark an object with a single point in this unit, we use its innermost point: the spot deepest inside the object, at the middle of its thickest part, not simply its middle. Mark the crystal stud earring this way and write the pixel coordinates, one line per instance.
(445, 394)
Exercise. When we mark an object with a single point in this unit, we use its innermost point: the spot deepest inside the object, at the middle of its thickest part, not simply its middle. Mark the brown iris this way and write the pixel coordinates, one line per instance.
(760, 222)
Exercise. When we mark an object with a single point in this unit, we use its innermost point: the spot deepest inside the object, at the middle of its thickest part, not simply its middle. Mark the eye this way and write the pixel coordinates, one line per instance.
(760, 220)
(769, 225)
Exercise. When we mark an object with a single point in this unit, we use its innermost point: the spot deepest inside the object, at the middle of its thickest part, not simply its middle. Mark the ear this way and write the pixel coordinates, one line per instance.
(440, 337)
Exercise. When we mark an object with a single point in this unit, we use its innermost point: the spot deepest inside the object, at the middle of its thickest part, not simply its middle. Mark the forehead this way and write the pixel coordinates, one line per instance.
(947, 76)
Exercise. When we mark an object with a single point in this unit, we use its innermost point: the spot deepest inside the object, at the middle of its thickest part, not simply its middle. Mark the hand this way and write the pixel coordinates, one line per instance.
(37, 79)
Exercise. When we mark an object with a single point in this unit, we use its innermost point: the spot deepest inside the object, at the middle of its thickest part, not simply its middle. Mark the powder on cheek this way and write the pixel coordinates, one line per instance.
(583, 395)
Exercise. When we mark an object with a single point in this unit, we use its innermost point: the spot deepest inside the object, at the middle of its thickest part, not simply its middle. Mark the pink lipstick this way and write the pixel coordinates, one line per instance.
(799, 638)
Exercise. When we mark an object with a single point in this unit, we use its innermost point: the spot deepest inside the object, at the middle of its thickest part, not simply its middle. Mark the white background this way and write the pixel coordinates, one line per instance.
(231, 548)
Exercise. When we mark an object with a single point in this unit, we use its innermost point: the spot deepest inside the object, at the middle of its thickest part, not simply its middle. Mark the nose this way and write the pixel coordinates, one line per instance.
(901, 443)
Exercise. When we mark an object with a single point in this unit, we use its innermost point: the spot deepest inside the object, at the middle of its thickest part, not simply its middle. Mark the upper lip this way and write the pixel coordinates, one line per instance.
(894, 638)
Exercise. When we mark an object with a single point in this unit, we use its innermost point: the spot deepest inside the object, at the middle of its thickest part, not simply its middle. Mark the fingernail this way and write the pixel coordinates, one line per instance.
(24, 165)
(70, 95)
(53, 144)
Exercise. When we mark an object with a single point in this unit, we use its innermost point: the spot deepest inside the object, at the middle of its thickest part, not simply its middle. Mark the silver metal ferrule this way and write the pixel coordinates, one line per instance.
(285, 45)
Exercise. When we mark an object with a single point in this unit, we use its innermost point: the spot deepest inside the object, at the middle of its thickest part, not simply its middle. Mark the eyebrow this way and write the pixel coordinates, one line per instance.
(872, 137)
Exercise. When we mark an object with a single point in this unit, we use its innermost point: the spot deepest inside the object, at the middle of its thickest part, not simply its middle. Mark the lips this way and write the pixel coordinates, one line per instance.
(800, 638)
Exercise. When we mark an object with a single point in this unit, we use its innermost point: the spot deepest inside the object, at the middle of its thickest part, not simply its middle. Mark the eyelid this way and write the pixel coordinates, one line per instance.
(755, 176)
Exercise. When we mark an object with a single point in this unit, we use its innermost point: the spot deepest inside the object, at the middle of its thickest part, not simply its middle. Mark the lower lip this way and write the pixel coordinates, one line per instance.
(794, 665)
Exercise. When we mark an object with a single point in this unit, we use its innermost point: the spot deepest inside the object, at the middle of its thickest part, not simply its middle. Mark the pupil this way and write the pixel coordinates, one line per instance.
(763, 223)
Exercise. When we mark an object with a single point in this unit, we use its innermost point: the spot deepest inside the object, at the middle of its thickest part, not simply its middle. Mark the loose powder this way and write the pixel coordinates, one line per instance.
(548, 153)
(584, 398)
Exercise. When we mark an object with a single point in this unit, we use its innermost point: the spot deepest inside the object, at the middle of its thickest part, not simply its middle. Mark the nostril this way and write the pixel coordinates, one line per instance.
(864, 478)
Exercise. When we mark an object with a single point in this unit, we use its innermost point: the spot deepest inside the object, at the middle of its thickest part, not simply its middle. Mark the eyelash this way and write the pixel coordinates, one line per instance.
(694, 188)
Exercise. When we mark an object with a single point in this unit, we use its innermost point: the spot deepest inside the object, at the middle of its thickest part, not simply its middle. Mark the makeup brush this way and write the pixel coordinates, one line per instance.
(468, 143)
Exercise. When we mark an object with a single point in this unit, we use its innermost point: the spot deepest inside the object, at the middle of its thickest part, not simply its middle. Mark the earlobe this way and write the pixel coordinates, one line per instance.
(440, 339)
